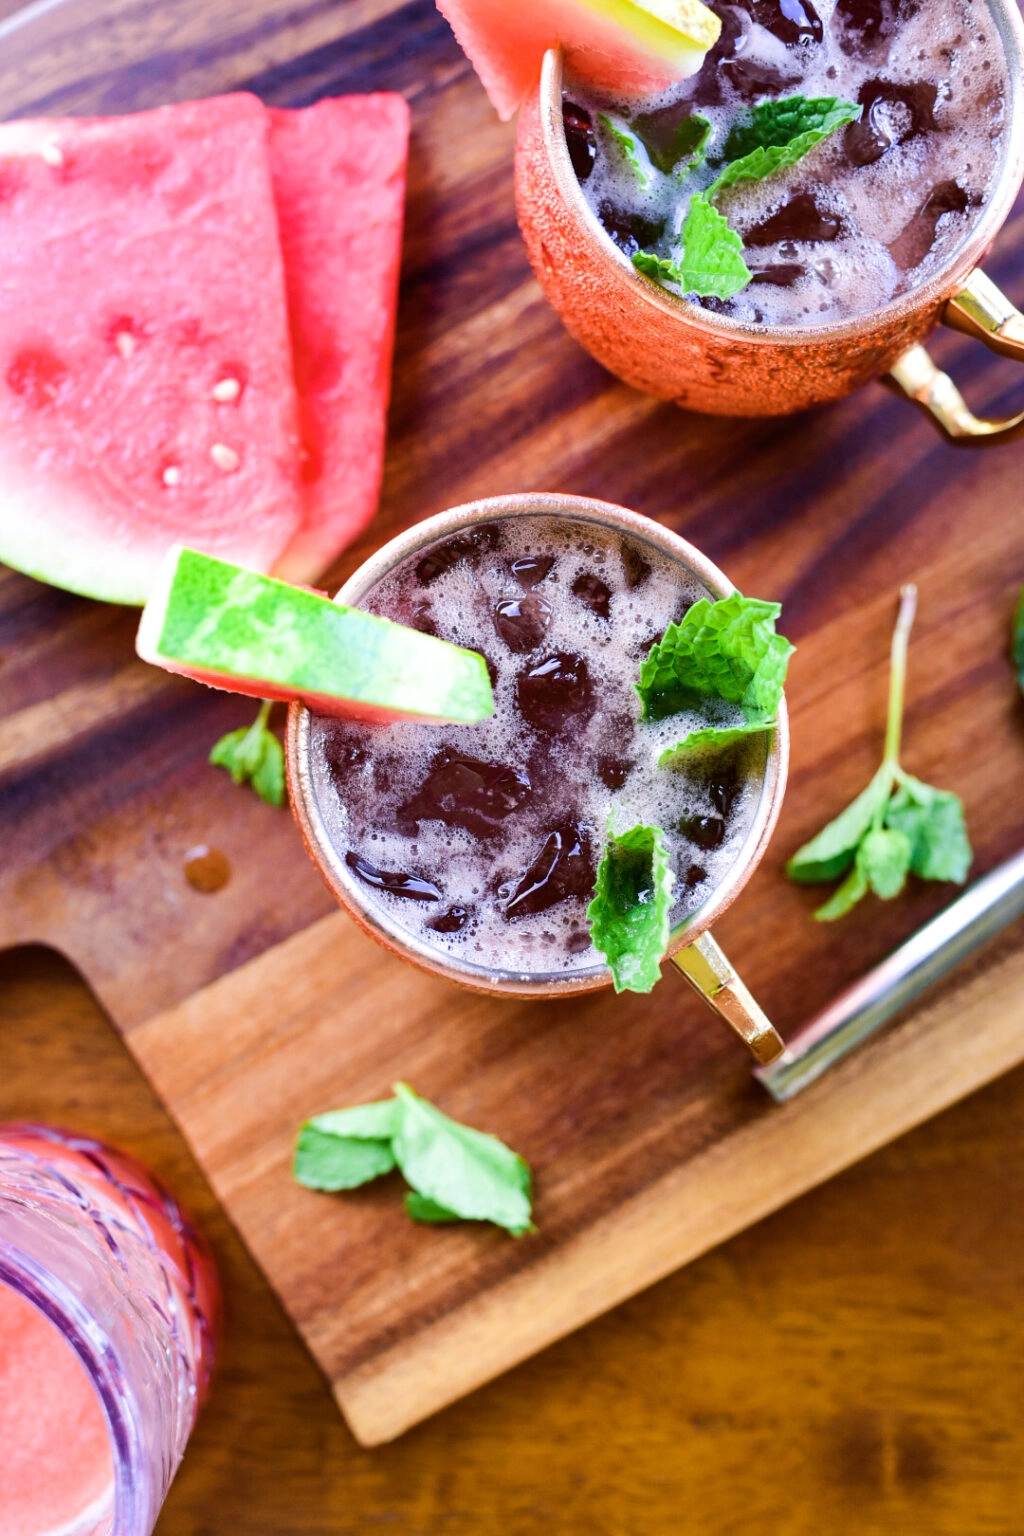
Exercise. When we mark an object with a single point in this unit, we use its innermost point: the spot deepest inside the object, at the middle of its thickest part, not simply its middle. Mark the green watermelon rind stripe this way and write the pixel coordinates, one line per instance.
(219, 618)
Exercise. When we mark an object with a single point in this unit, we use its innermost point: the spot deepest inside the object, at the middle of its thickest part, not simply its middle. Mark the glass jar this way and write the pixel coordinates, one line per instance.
(107, 1255)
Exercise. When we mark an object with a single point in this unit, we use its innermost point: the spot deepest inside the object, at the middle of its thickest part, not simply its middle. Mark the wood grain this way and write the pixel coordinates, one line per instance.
(865, 1344)
(613, 1101)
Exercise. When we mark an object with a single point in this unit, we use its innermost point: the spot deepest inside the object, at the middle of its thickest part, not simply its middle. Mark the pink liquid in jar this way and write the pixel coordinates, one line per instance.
(56, 1466)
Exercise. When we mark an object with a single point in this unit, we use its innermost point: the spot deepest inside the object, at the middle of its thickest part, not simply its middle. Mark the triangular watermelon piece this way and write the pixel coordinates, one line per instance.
(339, 181)
(626, 47)
(146, 386)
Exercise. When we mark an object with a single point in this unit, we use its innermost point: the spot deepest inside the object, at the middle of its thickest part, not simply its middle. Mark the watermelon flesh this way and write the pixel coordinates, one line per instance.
(252, 634)
(627, 47)
(146, 380)
(339, 183)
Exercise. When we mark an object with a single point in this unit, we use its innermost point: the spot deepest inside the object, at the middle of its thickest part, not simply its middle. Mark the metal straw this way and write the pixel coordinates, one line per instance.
(859, 1012)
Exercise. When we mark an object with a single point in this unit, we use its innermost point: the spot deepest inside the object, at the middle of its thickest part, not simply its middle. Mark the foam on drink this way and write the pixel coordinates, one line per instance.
(483, 841)
(873, 211)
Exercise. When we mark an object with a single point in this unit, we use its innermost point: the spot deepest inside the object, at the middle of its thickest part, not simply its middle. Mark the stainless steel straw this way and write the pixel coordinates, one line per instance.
(859, 1012)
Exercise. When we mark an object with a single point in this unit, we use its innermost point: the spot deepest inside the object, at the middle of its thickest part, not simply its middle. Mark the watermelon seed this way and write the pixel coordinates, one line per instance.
(172, 475)
(51, 153)
(124, 341)
(224, 457)
(227, 391)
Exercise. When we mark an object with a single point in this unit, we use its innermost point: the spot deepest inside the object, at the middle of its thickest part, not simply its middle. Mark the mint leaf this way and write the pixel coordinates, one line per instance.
(884, 860)
(254, 754)
(422, 1209)
(777, 135)
(933, 822)
(629, 913)
(628, 144)
(774, 123)
(726, 650)
(366, 1122)
(712, 739)
(853, 889)
(474, 1176)
(711, 262)
(328, 1162)
(670, 137)
(832, 852)
(1018, 639)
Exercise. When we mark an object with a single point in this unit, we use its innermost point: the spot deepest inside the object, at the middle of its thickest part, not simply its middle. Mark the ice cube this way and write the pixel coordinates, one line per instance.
(792, 21)
(463, 791)
(462, 546)
(916, 239)
(594, 592)
(892, 114)
(580, 138)
(394, 882)
(522, 622)
(556, 691)
(799, 219)
(531, 570)
(564, 867)
(630, 231)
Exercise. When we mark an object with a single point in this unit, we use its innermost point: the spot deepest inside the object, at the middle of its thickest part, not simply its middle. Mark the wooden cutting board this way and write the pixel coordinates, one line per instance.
(255, 1005)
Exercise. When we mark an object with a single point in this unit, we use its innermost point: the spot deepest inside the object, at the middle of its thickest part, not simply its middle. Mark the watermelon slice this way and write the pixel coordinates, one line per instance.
(627, 47)
(146, 384)
(339, 182)
(252, 634)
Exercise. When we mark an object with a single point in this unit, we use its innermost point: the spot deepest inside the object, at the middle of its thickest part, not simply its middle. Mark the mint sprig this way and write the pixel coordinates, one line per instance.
(897, 826)
(456, 1173)
(254, 755)
(629, 915)
(777, 134)
(1017, 643)
(710, 262)
(723, 650)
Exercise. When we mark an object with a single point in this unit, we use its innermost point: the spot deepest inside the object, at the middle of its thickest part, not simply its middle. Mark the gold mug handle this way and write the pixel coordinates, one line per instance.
(981, 310)
(709, 972)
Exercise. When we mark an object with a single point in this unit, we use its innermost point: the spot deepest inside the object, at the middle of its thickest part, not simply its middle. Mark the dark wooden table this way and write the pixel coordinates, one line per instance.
(851, 1365)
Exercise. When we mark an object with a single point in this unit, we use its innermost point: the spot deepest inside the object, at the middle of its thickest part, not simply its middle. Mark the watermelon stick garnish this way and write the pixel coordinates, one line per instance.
(254, 755)
(253, 634)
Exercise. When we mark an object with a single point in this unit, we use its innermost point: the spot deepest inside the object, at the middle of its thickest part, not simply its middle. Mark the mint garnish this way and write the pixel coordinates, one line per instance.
(896, 826)
(714, 738)
(629, 913)
(456, 1173)
(724, 650)
(669, 143)
(1018, 639)
(779, 133)
(628, 144)
(710, 263)
(254, 754)
(474, 1176)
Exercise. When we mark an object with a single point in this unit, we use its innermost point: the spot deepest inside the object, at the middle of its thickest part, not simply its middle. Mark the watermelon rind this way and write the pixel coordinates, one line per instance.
(249, 633)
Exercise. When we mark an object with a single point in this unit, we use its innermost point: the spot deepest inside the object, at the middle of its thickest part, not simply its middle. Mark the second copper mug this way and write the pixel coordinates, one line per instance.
(691, 945)
(679, 351)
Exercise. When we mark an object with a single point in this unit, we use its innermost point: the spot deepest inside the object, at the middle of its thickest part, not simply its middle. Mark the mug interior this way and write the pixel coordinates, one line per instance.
(928, 296)
(313, 822)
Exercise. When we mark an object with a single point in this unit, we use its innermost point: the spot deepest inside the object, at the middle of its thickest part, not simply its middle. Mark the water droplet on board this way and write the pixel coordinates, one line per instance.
(206, 869)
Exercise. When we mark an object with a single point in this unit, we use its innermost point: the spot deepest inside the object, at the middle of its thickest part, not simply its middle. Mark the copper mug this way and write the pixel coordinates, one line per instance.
(691, 946)
(679, 351)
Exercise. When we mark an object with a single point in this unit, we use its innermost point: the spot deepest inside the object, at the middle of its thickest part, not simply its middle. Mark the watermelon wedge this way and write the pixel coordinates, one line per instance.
(146, 383)
(248, 633)
(339, 183)
(627, 47)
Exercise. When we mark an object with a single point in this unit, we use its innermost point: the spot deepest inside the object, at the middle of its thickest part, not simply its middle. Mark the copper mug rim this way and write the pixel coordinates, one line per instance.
(931, 294)
(331, 865)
